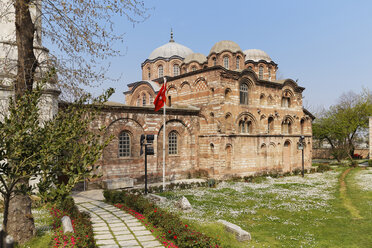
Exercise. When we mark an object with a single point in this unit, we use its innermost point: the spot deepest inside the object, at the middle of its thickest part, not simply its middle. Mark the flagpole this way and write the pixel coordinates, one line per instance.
(164, 81)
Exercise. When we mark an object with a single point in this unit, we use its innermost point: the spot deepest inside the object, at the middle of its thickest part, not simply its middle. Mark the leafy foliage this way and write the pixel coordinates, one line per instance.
(341, 124)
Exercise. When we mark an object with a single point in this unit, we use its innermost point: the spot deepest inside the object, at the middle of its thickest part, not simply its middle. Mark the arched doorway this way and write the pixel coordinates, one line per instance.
(287, 156)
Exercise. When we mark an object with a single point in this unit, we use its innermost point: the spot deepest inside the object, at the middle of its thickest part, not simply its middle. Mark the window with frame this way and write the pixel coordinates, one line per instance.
(214, 61)
(270, 124)
(286, 126)
(144, 100)
(226, 62)
(286, 102)
(269, 71)
(149, 72)
(151, 99)
(193, 68)
(243, 93)
(160, 71)
(124, 144)
(176, 70)
(172, 143)
(237, 62)
(260, 72)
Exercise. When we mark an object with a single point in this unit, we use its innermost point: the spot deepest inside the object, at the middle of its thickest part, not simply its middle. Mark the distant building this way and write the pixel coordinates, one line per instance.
(227, 115)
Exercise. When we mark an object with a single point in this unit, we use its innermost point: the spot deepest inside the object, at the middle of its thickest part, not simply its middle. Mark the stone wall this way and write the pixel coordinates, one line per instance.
(370, 137)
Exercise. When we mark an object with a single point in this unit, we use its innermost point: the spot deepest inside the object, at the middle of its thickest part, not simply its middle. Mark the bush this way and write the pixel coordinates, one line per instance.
(170, 224)
(323, 168)
(370, 163)
(83, 232)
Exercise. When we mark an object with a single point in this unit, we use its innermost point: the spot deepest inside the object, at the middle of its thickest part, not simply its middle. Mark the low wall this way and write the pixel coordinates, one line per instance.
(325, 153)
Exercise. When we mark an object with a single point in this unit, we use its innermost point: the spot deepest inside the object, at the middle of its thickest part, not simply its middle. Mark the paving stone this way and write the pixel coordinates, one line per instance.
(99, 224)
(146, 238)
(100, 228)
(117, 228)
(121, 224)
(108, 246)
(138, 228)
(103, 236)
(105, 242)
(116, 233)
(151, 244)
(133, 224)
(129, 243)
(124, 237)
(102, 232)
(141, 233)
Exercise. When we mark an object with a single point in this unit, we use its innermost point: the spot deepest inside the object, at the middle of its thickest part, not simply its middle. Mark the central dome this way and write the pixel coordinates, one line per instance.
(225, 45)
(170, 49)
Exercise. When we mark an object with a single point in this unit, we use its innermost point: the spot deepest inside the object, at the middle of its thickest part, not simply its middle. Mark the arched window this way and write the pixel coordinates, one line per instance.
(172, 143)
(176, 70)
(270, 125)
(226, 62)
(193, 68)
(286, 126)
(160, 71)
(148, 72)
(138, 101)
(250, 67)
(262, 99)
(151, 99)
(237, 62)
(269, 71)
(243, 93)
(214, 61)
(260, 72)
(302, 123)
(249, 126)
(124, 144)
(144, 100)
(286, 102)
(242, 126)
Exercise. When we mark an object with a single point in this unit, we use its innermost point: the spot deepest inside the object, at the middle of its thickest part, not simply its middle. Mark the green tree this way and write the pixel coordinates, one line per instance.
(61, 148)
(341, 124)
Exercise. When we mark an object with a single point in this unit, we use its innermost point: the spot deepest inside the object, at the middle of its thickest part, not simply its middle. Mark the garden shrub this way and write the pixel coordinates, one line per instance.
(323, 168)
(370, 163)
(83, 232)
(170, 224)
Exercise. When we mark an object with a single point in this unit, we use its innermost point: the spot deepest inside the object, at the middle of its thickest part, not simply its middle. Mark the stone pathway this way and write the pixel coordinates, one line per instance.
(114, 228)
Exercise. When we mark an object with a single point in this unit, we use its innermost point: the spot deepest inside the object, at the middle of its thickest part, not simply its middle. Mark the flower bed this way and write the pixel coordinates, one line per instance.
(83, 232)
(173, 233)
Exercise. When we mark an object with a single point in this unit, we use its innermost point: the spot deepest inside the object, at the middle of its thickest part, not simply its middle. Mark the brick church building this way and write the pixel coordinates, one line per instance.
(227, 115)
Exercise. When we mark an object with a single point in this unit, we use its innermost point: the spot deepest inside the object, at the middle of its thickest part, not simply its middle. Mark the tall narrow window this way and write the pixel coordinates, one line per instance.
(148, 72)
(286, 126)
(269, 71)
(249, 127)
(286, 102)
(172, 143)
(214, 61)
(226, 62)
(144, 100)
(270, 125)
(176, 70)
(237, 62)
(193, 68)
(138, 101)
(260, 72)
(242, 126)
(302, 123)
(243, 93)
(151, 99)
(170, 101)
(124, 144)
(160, 71)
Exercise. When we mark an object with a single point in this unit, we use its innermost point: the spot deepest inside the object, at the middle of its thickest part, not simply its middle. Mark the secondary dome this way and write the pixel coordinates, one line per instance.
(170, 49)
(256, 55)
(225, 45)
(198, 57)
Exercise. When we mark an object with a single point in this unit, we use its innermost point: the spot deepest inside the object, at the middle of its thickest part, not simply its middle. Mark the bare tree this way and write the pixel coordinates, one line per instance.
(84, 34)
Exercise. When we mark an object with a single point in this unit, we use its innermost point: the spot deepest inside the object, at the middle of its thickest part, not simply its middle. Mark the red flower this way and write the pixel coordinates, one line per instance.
(175, 237)
(169, 231)
(186, 225)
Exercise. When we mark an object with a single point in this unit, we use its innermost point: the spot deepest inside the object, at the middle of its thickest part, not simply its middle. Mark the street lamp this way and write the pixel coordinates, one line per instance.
(149, 150)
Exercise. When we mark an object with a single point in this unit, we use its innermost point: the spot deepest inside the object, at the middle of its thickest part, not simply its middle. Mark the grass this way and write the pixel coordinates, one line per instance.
(286, 212)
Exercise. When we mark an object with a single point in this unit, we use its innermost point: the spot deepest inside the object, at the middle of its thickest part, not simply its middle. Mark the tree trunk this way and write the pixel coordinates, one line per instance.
(6, 211)
(27, 62)
(20, 221)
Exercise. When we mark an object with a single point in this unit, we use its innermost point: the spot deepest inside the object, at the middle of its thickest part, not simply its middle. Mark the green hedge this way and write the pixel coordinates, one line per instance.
(170, 224)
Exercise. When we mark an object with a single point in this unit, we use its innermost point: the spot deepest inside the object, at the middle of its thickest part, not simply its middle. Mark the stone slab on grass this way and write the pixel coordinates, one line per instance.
(240, 234)
(118, 183)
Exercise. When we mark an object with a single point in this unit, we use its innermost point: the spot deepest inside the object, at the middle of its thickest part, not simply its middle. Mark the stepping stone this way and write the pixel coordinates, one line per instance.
(99, 224)
(129, 243)
(105, 242)
(146, 238)
(124, 237)
(117, 233)
(108, 246)
(121, 224)
(103, 236)
(134, 224)
(118, 229)
(151, 244)
(102, 233)
(141, 233)
(138, 228)
(101, 228)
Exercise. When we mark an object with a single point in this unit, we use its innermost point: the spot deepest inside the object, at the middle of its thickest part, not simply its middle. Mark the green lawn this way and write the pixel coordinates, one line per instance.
(287, 212)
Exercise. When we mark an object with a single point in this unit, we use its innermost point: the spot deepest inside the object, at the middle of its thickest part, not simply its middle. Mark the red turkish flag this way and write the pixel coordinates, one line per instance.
(160, 98)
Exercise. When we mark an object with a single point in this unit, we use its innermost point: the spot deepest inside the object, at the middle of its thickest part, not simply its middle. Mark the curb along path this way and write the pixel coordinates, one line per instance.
(114, 228)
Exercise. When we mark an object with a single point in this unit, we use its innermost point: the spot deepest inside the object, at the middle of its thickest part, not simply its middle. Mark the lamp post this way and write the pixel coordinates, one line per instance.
(149, 150)
(301, 147)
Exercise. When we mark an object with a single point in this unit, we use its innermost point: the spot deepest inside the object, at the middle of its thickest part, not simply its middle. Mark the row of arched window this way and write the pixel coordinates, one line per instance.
(176, 71)
(142, 100)
(246, 126)
(125, 144)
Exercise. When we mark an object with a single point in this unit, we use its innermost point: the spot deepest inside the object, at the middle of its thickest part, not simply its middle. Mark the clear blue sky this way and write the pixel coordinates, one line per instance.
(325, 44)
